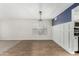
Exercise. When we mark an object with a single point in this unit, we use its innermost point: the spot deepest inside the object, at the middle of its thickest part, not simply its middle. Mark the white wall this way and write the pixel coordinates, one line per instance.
(16, 20)
(21, 29)
(30, 10)
(75, 14)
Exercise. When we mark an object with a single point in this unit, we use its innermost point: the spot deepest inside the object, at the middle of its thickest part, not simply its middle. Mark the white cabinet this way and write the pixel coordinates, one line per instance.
(63, 34)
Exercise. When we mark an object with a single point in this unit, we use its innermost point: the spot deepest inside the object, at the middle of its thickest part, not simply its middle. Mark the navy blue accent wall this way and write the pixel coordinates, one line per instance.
(65, 16)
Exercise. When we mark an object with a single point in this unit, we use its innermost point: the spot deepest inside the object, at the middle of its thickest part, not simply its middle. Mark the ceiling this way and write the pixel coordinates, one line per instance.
(31, 10)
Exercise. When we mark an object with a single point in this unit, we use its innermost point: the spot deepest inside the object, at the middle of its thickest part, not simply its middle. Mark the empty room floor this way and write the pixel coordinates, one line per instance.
(36, 48)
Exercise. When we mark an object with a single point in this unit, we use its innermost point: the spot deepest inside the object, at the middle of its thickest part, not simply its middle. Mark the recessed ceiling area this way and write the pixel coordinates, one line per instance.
(31, 10)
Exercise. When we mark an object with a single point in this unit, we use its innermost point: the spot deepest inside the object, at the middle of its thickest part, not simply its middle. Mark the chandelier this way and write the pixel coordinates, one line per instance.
(40, 27)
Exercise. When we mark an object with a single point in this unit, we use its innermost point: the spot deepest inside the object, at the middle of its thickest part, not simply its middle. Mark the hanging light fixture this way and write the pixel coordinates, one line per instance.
(41, 29)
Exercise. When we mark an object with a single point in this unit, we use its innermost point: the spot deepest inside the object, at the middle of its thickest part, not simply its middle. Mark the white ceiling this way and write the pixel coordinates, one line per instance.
(30, 10)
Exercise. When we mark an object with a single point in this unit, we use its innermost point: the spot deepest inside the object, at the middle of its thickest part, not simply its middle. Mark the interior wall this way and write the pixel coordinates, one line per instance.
(30, 10)
(22, 29)
(17, 19)
(16, 22)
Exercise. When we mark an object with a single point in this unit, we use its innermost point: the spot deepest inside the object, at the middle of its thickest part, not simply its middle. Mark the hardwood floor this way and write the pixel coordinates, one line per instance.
(36, 48)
